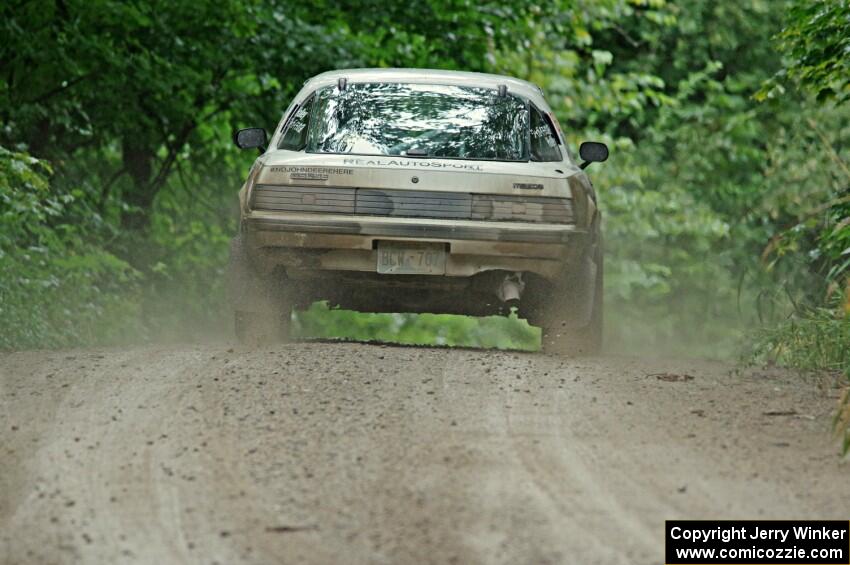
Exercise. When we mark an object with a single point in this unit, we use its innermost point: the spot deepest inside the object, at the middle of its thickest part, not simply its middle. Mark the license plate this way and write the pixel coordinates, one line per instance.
(401, 258)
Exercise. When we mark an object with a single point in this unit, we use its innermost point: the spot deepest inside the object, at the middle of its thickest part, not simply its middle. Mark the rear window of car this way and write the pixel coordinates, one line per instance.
(416, 120)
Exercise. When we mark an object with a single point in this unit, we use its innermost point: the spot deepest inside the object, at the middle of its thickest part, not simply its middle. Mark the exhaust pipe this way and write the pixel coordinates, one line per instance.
(510, 290)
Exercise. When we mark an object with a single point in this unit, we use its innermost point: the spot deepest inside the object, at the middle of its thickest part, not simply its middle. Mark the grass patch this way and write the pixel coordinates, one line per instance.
(817, 339)
(492, 332)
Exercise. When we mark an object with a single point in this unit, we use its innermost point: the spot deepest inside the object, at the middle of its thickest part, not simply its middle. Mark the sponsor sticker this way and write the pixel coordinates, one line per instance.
(311, 173)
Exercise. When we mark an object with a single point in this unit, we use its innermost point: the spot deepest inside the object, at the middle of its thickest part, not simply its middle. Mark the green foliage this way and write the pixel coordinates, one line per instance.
(56, 288)
(417, 329)
(816, 40)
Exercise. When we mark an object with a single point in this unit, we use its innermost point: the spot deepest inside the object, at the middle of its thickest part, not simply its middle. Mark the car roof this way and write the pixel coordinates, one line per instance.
(430, 76)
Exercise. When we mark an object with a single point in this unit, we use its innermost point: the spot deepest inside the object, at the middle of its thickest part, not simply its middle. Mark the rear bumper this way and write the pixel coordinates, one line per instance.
(305, 243)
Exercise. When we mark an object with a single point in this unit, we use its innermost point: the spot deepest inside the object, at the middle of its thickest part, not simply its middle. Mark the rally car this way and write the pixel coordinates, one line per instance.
(410, 190)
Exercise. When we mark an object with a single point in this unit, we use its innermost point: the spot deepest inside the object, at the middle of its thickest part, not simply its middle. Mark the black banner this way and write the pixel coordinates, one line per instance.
(757, 542)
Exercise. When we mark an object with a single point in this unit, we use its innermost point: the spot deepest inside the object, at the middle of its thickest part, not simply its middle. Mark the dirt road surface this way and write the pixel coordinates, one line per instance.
(352, 453)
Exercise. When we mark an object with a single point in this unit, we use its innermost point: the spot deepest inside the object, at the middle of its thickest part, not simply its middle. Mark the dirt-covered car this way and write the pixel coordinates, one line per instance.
(408, 190)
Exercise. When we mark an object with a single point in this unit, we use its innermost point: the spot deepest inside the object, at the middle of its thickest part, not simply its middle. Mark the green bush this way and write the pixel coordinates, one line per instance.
(56, 287)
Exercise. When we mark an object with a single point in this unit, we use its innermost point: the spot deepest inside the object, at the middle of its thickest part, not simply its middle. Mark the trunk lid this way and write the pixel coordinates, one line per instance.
(416, 174)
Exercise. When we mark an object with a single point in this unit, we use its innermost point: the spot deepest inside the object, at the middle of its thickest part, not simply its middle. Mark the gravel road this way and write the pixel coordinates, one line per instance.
(352, 453)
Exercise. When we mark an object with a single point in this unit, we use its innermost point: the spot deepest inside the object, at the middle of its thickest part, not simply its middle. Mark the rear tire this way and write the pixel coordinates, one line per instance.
(562, 332)
(261, 312)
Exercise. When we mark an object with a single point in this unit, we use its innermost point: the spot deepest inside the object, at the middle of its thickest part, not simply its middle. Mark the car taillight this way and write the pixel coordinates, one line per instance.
(522, 208)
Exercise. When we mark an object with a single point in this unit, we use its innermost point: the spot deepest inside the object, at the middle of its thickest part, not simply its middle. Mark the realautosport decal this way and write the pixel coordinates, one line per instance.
(411, 164)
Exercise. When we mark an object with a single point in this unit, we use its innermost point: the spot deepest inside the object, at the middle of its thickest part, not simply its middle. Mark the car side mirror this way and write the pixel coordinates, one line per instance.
(250, 138)
(592, 152)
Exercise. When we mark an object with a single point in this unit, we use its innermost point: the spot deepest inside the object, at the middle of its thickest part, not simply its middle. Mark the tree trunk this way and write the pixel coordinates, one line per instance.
(138, 162)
